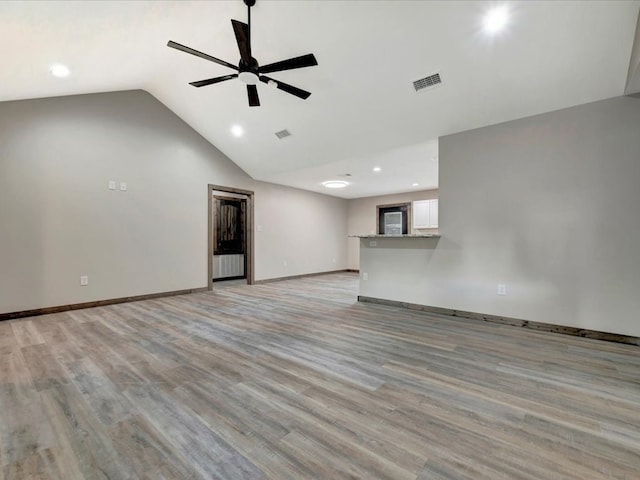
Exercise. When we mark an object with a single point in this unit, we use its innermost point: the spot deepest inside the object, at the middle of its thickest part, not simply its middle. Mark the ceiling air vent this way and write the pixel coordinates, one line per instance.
(283, 134)
(426, 82)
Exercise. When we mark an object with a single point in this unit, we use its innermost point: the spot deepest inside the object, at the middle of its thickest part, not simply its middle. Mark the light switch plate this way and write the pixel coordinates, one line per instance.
(123, 186)
(112, 184)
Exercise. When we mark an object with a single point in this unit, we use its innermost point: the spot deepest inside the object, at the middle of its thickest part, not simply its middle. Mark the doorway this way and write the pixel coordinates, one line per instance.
(230, 235)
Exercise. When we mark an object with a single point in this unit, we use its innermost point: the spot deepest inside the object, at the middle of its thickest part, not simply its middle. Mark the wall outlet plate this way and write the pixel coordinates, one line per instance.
(84, 280)
(502, 289)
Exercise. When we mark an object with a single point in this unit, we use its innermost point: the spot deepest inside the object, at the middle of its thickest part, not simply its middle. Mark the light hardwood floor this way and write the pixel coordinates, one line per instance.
(296, 380)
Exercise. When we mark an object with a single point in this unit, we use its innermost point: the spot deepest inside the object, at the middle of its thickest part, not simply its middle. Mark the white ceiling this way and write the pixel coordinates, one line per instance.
(363, 111)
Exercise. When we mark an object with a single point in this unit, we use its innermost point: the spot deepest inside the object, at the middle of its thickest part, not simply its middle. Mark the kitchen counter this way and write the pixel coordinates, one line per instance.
(412, 235)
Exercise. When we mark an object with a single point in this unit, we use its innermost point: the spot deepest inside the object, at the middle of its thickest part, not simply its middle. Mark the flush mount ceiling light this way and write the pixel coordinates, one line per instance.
(59, 70)
(376, 169)
(237, 131)
(415, 184)
(335, 184)
(495, 20)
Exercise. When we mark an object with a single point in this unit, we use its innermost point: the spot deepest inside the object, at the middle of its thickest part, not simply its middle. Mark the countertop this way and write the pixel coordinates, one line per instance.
(416, 235)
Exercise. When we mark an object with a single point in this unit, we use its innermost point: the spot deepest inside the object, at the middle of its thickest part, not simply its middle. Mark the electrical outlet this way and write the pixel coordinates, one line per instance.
(334, 260)
(84, 280)
(123, 186)
(365, 276)
(112, 184)
(284, 263)
(502, 289)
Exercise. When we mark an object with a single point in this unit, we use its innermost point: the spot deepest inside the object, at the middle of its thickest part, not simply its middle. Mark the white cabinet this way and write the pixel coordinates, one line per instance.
(425, 213)
(433, 213)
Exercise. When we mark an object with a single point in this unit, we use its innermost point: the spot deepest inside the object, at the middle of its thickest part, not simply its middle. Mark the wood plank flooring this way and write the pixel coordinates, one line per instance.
(296, 380)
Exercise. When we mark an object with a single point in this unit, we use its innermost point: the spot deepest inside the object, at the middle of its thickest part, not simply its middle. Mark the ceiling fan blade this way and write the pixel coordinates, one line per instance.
(252, 93)
(186, 49)
(242, 37)
(308, 60)
(285, 87)
(211, 81)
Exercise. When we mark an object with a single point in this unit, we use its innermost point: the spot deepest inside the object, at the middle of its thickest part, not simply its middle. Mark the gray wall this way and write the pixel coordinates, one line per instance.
(58, 220)
(549, 206)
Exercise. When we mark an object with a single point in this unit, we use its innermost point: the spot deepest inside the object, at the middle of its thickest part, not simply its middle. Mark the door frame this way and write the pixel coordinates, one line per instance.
(248, 234)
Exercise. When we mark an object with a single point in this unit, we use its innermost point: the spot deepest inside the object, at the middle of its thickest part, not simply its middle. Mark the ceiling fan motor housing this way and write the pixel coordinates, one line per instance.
(248, 72)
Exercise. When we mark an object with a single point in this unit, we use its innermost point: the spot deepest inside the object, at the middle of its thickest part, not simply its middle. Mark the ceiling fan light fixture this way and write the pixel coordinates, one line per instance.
(273, 84)
(249, 78)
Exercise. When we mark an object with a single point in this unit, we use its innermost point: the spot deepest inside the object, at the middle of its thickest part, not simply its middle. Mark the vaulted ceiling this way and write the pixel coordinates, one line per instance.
(363, 111)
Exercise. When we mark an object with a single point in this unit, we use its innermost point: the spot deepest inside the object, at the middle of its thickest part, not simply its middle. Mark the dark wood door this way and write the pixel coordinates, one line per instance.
(229, 231)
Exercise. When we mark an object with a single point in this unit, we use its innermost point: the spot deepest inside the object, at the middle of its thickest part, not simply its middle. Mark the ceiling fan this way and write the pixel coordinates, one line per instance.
(249, 71)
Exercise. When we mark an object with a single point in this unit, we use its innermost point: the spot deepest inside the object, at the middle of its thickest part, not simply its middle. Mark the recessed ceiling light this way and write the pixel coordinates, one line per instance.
(415, 184)
(335, 184)
(376, 169)
(59, 70)
(237, 131)
(495, 20)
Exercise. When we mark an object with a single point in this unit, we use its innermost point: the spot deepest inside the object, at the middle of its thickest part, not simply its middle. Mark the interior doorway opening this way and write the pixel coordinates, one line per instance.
(230, 237)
